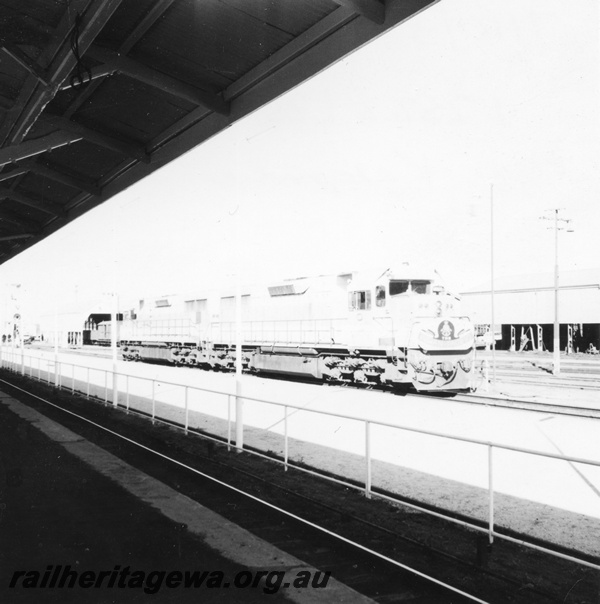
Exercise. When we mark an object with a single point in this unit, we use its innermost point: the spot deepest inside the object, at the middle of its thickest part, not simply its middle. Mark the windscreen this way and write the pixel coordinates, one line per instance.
(417, 286)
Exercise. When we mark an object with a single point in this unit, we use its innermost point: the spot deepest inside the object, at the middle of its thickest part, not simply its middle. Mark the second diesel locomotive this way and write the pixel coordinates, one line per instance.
(397, 326)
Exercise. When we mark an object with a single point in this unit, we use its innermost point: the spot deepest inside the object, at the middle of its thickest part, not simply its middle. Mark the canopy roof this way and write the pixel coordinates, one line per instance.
(96, 94)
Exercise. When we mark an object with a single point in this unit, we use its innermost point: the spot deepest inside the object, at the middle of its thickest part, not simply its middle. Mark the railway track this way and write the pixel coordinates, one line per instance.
(529, 405)
(530, 375)
(366, 544)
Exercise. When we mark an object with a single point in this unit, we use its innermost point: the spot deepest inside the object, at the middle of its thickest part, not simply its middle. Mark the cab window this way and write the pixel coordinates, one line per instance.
(420, 287)
(359, 300)
(380, 295)
(398, 287)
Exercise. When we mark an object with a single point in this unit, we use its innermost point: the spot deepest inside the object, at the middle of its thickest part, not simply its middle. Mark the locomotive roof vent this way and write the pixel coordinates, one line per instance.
(288, 289)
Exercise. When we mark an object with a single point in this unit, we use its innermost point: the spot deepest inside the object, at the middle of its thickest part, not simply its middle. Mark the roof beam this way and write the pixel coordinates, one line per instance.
(38, 204)
(96, 73)
(142, 73)
(151, 17)
(285, 55)
(25, 61)
(36, 146)
(370, 9)
(17, 171)
(96, 15)
(21, 236)
(75, 182)
(103, 140)
(143, 26)
(19, 222)
(6, 103)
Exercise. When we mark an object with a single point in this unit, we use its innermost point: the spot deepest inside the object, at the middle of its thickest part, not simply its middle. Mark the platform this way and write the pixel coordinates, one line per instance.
(69, 507)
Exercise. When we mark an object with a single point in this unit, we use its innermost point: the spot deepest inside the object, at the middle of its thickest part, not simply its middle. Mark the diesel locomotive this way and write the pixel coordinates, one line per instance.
(390, 327)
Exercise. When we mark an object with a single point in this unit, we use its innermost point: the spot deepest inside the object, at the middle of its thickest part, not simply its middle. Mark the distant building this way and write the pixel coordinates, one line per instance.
(524, 310)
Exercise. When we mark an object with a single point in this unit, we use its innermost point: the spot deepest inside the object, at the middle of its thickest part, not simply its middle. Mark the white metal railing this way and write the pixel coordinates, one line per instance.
(54, 372)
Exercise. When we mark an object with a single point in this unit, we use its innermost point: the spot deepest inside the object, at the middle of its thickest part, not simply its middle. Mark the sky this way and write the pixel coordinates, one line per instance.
(395, 153)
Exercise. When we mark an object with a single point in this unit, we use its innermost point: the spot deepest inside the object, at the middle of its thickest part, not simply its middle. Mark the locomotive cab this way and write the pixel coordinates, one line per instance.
(417, 322)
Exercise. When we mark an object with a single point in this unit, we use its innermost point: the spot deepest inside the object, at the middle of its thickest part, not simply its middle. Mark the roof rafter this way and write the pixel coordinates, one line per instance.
(155, 13)
(36, 146)
(95, 74)
(29, 225)
(5, 103)
(95, 16)
(157, 79)
(66, 179)
(370, 9)
(151, 17)
(290, 51)
(24, 60)
(125, 148)
(38, 204)
(20, 236)
(17, 171)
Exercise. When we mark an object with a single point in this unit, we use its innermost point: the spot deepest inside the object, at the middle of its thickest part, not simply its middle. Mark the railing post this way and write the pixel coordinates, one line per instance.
(73, 379)
(491, 489)
(22, 361)
(105, 387)
(115, 386)
(39, 369)
(285, 438)
(239, 418)
(229, 422)
(87, 390)
(186, 410)
(486, 376)
(153, 402)
(368, 459)
(127, 393)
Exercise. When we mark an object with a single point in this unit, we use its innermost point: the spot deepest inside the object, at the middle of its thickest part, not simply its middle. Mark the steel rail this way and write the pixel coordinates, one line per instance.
(358, 418)
(255, 498)
(488, 444)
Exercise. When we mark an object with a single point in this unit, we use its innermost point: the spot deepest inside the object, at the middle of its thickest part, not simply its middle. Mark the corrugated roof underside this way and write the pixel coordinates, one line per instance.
(166, 75)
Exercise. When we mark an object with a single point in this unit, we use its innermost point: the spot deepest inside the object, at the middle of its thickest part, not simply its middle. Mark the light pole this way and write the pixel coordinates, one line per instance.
(557, 220)
(493, 291)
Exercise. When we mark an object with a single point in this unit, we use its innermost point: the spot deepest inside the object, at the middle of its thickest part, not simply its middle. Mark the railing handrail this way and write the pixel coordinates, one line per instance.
(492, 533)
(475, 441)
